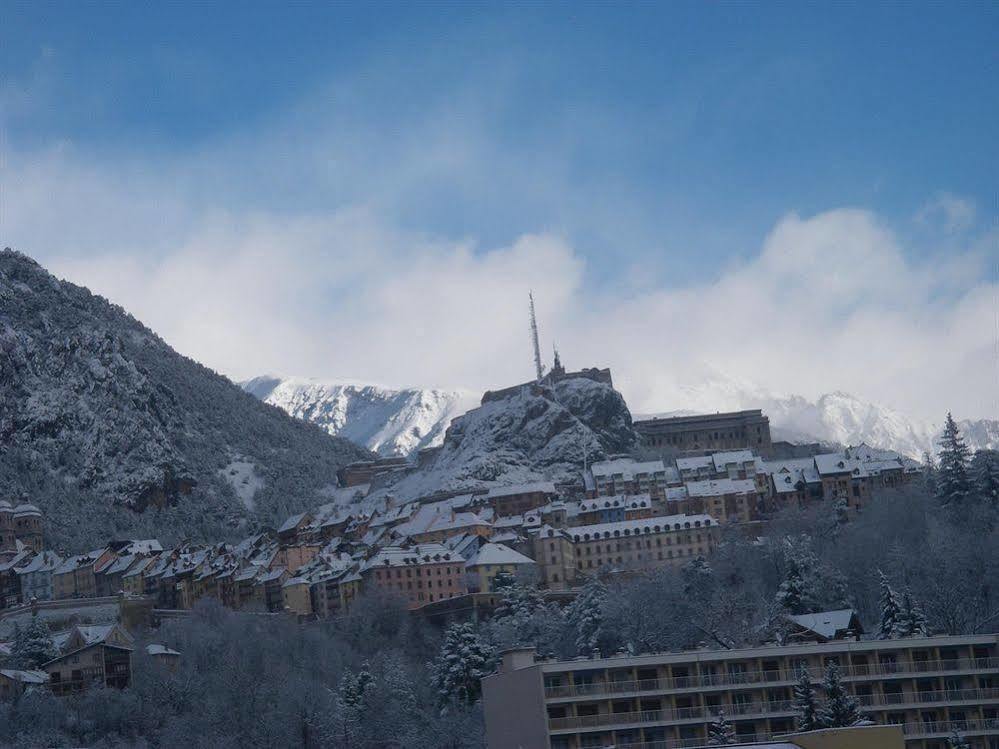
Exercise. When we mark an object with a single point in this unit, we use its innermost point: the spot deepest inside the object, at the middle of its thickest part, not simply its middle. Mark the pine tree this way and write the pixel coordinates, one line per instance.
(721, 732)
(910, 621)
(890, 610)
(985, 474)
(586, 616)
(953, 485)
(805, 702)
(352, 703)
(840, 709)
(791, 593)
(463, 660)
(32, 645)
(957, 741)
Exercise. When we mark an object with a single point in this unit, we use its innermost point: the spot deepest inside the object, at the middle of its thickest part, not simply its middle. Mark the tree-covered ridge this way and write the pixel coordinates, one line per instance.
(97, 413)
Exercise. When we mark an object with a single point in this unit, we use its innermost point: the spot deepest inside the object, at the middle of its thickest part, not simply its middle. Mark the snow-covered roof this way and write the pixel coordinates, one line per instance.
(45, 561)
(826, 624)
(140, 566)
(26, 509)
(720, 487)
(497, 554)
(833, 463)
(626, 468)
(726, 458)
(291, 523)
(635, 527)
(25, 677)
(398, 556)
(631, 502)
(694, 463)
(80, 560)
(546, 487)
(143, 546)
(274, 574)
(157, 649)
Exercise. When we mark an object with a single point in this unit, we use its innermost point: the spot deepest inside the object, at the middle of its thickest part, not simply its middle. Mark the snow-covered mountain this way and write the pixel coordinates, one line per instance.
(835, 418)
(110, 431)
(533, 433)
(390, 421)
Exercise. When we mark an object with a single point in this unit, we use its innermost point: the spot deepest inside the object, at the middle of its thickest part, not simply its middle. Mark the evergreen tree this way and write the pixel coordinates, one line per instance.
(953, 484)
(32, 645)
(351, 706)
(806, 704)
(910, 621)
(957, 741)
(985, 474)
(791, 593)
(840, 709)
(586, 616)
(721, 732)
(890, 610)
(463, 660)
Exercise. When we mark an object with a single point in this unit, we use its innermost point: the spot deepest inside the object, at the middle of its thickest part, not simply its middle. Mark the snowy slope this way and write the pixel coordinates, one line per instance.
(835, 417)
(534, 434)
(390, 421)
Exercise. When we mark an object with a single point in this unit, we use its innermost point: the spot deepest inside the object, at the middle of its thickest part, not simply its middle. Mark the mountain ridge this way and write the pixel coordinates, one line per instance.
(109, 430)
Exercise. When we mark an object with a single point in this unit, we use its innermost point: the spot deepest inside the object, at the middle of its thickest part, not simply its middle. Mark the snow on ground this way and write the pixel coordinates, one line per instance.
(243, 478)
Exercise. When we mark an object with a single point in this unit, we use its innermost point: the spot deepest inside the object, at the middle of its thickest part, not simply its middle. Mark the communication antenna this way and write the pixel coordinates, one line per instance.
(539, 370)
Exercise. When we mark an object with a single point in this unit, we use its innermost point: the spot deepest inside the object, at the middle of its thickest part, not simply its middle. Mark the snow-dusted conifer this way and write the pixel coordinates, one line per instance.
(952, 482)
(840, 709)
(910, 621)
(985, 475)
(586, 616)
(720, 731)
(806, 704)
(890, 609)
(463, 660)
(32, 645)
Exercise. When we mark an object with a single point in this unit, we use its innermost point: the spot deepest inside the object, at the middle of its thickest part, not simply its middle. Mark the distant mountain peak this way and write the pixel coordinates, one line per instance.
(387, 420)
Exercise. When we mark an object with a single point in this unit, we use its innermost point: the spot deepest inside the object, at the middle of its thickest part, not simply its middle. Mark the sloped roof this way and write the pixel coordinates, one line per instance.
(25, 677)
(826, 624)
(497, 554)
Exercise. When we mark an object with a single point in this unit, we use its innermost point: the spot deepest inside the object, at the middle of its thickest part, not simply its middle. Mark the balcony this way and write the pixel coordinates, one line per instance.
(944, 728)
(762, 709)
(668, 715)
(786, 676)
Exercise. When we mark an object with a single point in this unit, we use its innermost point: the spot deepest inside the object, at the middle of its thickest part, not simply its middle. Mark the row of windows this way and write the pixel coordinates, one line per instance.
(599, 562)
(419, 572)
(626, 545)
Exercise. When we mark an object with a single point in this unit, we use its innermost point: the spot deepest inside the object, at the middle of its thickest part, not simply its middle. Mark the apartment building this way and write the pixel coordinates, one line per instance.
(614, 508)
(726, 500)
(930, 686)
(628, 476)
(565, 554)
(720, 431)
(421, 574)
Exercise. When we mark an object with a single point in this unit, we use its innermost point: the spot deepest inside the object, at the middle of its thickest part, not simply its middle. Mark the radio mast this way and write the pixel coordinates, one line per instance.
(534, 339)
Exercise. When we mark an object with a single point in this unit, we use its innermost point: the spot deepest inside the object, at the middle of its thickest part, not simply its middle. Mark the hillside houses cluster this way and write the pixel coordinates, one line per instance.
(85, 655)
(622, 514)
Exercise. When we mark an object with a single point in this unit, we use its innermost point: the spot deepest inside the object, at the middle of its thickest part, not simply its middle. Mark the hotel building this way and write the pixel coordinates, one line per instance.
(930, 686)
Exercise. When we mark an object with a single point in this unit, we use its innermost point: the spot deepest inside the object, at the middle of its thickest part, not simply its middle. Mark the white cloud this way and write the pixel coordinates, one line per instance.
(956, 214)
(827, 302)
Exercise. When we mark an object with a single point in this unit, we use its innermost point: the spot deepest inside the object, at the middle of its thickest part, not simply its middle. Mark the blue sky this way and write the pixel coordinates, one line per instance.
(660, 143)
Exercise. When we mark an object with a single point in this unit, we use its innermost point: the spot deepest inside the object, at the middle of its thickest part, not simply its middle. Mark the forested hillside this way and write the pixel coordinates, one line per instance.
(109, 430)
